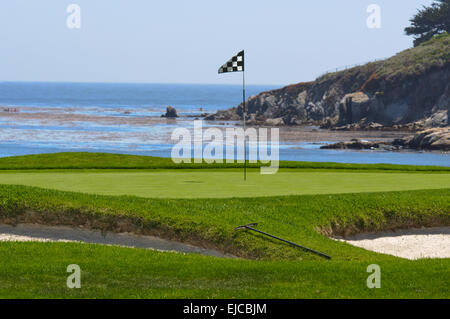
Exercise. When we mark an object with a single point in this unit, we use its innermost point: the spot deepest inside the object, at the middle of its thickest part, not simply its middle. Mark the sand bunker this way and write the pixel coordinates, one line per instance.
(34, 232)
(409, 244)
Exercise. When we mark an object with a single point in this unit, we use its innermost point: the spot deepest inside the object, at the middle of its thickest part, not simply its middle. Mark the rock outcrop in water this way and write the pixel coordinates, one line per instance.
(357, 144)
(408, 91)
(171, 112)
(434, 139)
(431, 139)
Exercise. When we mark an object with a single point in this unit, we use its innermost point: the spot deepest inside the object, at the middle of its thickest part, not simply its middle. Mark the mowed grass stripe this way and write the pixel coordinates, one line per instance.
(225, 184)
(84, 160)
(38, 270)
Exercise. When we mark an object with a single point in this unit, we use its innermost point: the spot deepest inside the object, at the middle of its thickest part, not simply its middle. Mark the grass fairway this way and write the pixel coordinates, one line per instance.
(224, 183)
(202, 206)
(39, 271)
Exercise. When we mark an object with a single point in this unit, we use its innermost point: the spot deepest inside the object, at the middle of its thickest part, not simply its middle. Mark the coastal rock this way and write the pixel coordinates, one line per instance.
(171, 112)
(232, 114)
(436, 139)
(357, 144)
(430, 139)
(353, 107)
(275, 122)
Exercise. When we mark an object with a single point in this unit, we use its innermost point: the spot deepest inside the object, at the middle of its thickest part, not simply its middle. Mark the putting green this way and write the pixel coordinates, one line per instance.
(224, 183)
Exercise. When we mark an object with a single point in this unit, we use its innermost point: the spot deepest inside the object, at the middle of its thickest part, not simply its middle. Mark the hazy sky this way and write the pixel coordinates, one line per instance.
(181, 41)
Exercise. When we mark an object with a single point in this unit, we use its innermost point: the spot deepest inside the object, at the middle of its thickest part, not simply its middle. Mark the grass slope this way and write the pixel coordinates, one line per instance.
(211, 222)
(39, 271)
(432, 54)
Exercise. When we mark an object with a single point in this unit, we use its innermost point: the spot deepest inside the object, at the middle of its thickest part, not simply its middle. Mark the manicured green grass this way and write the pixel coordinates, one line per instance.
(77, 161)
(211, 222)
(38, 270)
(225, 183)
(272, 270)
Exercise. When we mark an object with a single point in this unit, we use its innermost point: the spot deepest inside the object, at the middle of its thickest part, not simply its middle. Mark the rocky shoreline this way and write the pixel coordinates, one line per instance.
(437, 139)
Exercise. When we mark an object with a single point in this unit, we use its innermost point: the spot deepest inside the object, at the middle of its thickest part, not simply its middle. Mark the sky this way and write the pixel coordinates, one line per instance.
(181, 41)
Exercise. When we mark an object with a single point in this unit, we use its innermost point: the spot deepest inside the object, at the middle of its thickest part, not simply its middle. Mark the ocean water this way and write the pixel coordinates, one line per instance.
(111, 98)
(125, 118)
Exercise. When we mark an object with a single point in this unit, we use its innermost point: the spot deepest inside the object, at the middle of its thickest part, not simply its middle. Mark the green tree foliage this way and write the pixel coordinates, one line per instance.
(430, 21)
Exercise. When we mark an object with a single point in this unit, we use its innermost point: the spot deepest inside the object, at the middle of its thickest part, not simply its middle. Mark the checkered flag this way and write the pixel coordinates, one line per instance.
(235, 64)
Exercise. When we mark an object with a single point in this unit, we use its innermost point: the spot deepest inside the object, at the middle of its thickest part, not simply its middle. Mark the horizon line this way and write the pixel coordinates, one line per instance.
(161, 83)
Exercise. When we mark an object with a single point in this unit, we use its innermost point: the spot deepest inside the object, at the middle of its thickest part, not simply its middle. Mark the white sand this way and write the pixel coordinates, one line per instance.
(409, 244)
(41, 233)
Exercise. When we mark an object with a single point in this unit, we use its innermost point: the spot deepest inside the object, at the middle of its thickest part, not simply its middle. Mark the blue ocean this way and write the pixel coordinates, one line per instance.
(37, 117)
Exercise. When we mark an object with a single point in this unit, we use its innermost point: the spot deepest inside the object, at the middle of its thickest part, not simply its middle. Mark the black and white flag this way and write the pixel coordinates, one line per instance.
(235, 64)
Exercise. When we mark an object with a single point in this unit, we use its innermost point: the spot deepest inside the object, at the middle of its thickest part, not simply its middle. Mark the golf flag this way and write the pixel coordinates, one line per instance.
(235, 64)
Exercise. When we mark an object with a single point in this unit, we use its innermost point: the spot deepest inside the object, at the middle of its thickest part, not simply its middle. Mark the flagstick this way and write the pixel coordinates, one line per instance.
(245, 115)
